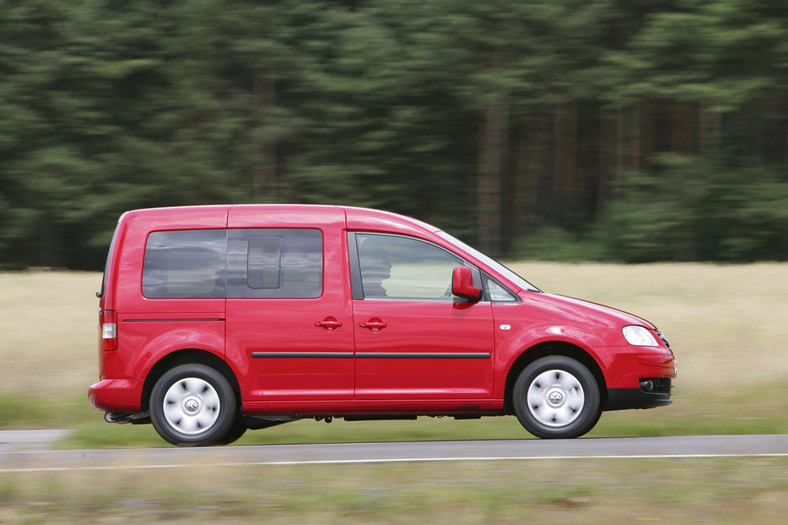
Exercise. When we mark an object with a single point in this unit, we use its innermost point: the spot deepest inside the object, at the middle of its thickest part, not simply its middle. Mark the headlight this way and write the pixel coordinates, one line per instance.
(639, 336)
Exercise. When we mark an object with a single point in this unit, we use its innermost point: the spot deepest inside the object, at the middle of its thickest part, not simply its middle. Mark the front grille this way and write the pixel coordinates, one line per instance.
(664, 339)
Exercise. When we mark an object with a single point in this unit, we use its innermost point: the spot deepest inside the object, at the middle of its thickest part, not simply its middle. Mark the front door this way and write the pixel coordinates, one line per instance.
(414, 340)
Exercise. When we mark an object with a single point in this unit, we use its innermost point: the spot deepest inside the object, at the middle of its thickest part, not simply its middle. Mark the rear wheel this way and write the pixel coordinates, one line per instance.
(556, 397)
(194, 405)
(238, 429)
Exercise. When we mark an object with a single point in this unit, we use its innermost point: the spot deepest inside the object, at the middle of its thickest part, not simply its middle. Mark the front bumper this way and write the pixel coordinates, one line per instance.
(639, 377)
(653, 392)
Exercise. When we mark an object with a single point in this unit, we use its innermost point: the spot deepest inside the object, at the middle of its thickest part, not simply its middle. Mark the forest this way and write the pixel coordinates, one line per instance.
(607, 130)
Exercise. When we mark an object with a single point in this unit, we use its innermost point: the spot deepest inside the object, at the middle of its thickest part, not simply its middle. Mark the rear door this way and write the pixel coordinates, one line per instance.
(289, 323)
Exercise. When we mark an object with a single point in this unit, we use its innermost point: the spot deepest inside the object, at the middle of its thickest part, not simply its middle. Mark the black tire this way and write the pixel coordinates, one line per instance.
(556, 397)
(238, 429)
(194, 405)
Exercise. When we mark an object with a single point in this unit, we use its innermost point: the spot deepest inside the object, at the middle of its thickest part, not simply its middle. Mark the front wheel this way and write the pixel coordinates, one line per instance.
(194, 405)
(556, 397)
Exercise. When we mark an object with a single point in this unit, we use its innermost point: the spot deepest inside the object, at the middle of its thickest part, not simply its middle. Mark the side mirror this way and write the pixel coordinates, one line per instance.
(462, 284)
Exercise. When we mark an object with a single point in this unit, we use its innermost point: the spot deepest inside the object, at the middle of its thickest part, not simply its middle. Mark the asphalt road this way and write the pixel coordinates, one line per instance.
(14, 460)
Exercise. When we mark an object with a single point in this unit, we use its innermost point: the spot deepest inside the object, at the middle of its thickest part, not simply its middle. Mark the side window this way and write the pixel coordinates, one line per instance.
(396, 267)
(275, 263)
(264, 263)
(496, 292)
(184, 264)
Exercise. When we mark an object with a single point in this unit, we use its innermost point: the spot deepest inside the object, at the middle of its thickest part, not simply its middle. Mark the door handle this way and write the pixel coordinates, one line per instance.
(329, 323)
(374, 324)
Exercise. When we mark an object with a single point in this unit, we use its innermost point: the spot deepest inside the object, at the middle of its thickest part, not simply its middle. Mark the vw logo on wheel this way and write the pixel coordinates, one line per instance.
(555, 397)
(191, 406)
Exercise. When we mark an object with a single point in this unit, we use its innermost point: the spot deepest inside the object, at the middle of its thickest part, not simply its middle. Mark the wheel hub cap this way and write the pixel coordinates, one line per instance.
(555, 398)
(191, 406)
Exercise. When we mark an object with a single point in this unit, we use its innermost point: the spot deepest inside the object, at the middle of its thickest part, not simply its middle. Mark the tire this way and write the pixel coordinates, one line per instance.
(238, 429)
(194, 405)
(556, 397)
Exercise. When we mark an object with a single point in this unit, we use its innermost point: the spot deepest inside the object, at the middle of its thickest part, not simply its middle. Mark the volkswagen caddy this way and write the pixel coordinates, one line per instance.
(218, 319)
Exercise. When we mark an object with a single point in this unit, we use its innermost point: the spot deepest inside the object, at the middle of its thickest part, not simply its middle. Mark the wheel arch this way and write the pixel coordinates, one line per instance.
(561, 348)
(183, 357)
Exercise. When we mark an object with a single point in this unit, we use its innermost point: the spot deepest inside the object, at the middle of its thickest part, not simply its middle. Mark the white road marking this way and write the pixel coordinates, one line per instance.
(386, 460)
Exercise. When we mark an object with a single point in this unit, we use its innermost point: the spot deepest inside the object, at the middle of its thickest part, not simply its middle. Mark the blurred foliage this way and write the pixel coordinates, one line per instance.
(553, 243)
(644, 131)
(691, 209)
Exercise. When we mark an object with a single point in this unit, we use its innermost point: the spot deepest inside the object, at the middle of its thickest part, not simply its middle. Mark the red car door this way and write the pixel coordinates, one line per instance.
(414, 341)
(289, 322)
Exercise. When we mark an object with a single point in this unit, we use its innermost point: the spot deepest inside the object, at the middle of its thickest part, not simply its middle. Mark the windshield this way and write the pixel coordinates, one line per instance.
(492, 263)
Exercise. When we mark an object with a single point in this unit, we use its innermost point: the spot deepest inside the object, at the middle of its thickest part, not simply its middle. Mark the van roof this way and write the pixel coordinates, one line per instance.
(357, 218)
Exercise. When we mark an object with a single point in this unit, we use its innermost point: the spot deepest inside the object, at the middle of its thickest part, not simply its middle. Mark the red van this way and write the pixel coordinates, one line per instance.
(215, 319)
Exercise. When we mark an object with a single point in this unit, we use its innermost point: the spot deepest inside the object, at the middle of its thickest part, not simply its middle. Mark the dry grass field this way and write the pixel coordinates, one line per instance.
(725, 323)
(48, 337)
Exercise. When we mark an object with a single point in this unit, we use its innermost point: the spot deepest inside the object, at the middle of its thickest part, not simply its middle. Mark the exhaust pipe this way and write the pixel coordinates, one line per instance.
(125, 417)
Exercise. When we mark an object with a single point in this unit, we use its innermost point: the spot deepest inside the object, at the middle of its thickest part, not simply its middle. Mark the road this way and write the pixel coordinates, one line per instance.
(513, 450)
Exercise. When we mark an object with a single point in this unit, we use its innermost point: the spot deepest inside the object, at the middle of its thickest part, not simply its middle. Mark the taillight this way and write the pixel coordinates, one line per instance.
(108, 324)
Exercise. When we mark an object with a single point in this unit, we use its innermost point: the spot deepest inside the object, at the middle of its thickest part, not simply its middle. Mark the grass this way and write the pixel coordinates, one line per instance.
(724, 322)
(586, 491)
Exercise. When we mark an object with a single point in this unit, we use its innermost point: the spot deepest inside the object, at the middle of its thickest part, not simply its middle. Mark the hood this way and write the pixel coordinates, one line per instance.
(585, 312)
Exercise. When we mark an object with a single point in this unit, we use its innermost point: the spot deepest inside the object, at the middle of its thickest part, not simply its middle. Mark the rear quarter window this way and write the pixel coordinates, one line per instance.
(275, 263)
(185, 264)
